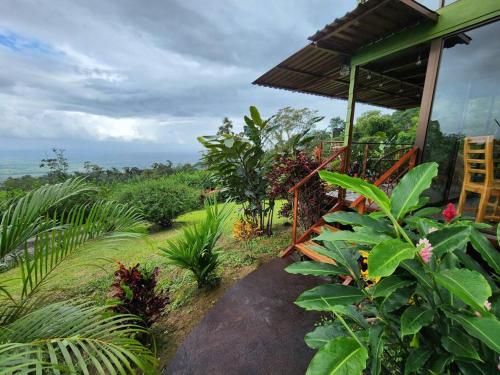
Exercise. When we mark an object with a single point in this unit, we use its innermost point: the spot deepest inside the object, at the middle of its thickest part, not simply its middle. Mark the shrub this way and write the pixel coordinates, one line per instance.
(239, 163)
(313, 201)
(195, 249)
(422, 292)
(135, 288)
(245, 230)
(197, 179)
(160, 200)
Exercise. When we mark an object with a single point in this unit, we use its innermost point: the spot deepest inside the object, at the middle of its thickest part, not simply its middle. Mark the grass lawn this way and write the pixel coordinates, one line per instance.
(89, 273)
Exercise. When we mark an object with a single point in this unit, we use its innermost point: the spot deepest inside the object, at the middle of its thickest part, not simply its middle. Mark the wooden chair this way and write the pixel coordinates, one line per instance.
(479, 177)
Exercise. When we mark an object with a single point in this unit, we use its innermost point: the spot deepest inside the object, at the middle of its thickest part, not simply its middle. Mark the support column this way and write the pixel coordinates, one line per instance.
(349, 123)
(431, 76)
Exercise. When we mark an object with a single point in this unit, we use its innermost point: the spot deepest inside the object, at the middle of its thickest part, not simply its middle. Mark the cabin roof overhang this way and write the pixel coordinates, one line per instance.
(322, 67)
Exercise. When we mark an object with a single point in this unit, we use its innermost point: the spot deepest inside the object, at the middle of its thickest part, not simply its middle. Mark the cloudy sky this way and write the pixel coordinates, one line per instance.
(149, 74)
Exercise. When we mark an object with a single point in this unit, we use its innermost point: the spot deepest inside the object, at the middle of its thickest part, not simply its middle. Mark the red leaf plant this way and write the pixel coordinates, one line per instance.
(135, 288)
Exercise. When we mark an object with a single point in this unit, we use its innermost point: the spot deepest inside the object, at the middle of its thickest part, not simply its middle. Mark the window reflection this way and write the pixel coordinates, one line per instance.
(466, 103)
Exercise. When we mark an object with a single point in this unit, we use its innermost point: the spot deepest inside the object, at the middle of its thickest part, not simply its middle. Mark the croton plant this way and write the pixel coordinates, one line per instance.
(420, 292)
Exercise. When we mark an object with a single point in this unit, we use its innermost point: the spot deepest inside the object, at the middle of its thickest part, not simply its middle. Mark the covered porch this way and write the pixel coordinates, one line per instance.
(399, 55)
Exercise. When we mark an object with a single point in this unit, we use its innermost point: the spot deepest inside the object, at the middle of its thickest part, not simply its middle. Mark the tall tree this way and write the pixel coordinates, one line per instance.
(57, 165)
(226, 127)
(336, 126)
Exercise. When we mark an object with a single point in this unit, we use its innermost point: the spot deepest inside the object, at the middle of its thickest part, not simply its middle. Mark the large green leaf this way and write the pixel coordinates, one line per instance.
(344, 255)
(355, 219)
(407, 193)
(459, 344)
(376, 341)
(416, 269)
(324, 296)
(397, 299)
(385, 257)
(470, 286)
(315, 269)
(417, 359)
(359, 186)
(388, 285)
(486, 329)
(449, 239)
(350, 312)
(361, 236)
(486, 249)
(341, 356)
(322, 335)
(475, 368)
(414, 318)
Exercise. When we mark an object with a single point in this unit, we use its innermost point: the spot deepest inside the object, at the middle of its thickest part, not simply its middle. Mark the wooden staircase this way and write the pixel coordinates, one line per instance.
(306, 244)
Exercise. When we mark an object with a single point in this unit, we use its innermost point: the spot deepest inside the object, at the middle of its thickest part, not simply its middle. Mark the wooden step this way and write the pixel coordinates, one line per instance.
(320, 228)
(307, 248)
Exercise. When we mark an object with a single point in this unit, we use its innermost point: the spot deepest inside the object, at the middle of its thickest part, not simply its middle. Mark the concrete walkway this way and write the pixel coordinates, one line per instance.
(253, 329)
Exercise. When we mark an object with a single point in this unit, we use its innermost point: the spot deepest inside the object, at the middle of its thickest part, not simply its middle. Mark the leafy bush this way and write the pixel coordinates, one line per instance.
(286, 173)
(196, 179)
(239, 164)
(135, 288)
(422, 292)
(160, 200)
(195, 249)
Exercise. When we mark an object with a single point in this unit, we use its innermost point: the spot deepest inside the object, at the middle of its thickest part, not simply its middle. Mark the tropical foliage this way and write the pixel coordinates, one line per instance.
(160, 200)
(422, 292)
(196, 249)
(312, 200)
(135, 289)
(72, 336)
(239, 164)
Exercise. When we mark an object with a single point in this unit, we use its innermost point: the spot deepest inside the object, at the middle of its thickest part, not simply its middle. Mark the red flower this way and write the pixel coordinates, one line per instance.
(449, 212)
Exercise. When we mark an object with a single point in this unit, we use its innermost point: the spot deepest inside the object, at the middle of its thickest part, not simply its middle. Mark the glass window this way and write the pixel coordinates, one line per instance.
(431, 4)
(466, 103)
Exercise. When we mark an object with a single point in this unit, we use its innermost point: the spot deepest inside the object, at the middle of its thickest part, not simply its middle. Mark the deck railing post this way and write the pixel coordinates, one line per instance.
(295, 213)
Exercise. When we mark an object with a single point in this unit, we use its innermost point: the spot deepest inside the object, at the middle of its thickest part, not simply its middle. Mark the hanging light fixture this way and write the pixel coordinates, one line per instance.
(419, 60)
(345, 70)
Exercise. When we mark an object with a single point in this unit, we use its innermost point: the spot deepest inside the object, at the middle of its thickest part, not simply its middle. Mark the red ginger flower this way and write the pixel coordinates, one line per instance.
(449, 212)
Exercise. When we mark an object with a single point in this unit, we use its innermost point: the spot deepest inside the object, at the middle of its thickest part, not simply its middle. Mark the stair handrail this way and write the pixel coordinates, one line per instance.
(327, 161)
(295, 189)
(410, 155)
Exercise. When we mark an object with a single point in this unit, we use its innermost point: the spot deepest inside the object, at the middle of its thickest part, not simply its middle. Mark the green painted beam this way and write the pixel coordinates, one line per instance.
(454, 17)
(351, 102)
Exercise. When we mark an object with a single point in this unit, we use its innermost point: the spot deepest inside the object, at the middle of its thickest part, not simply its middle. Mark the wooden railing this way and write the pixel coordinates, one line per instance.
(336, 153)
(368, 160)
(389, 178)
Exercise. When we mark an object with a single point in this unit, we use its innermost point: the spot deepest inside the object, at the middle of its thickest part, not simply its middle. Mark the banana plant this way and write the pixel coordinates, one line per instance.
(427, 287)
(73, 336)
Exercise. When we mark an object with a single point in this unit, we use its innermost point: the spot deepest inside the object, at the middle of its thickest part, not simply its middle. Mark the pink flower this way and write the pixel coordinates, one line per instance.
(449, 212)
(487, 305)
(425, 249)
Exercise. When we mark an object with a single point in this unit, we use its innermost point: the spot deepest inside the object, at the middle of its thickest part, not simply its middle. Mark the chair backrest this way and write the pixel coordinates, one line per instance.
(478, 160)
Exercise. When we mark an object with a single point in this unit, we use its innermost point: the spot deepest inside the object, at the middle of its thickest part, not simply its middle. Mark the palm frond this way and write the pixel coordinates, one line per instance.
(83, 336)
(195, 249)
(23, 219)
(104, 221)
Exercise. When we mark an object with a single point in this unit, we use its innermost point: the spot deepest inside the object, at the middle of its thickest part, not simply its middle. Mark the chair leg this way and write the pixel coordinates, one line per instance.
(483, 204)
(461, 201)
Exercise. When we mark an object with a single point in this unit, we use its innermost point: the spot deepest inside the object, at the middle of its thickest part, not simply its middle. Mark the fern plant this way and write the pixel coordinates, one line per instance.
(195, 249)
(72, 336)
(422, 292)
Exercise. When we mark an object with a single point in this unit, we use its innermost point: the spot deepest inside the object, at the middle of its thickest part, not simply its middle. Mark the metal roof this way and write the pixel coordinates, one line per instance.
(317, 68)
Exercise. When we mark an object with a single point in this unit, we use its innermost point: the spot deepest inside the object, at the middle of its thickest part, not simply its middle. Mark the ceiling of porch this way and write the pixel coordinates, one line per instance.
(320, 68)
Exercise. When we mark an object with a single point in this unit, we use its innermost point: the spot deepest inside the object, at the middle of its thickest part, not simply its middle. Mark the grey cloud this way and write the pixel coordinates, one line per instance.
(168, 70)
